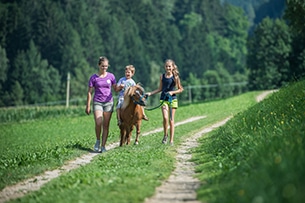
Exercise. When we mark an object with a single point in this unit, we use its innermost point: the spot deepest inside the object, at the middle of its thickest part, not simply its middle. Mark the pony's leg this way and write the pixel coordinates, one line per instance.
(123, 136)
(138, 132)
(129, 134)
(128, 137)
(121, 140)
(132, 127)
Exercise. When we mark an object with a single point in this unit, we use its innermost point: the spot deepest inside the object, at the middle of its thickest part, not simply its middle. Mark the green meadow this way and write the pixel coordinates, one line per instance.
(256, 157)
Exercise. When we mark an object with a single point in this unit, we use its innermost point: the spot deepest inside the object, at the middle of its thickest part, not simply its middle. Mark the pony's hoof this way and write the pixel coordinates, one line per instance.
(136, 143)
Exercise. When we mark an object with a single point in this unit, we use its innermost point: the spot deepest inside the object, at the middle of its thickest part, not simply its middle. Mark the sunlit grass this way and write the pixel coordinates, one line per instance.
(52, 141)
(258, 156)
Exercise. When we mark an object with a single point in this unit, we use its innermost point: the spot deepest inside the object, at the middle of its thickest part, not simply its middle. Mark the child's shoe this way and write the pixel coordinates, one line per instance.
(145, 118)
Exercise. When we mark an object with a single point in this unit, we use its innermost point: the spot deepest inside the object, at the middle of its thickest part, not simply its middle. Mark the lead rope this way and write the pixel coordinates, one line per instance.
(170, 100)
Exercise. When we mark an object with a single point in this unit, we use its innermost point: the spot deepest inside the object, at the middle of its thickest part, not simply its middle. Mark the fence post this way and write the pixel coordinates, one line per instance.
(68, 90)
(190, 94)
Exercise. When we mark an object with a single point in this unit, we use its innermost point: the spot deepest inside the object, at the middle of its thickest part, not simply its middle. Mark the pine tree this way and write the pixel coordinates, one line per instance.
(40, 81)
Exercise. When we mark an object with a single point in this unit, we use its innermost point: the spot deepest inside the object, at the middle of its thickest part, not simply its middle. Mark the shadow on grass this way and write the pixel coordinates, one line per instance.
(81, 147)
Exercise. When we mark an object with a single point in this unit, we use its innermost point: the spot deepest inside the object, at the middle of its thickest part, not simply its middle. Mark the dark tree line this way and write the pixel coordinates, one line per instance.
(41, 41)
(277, 49)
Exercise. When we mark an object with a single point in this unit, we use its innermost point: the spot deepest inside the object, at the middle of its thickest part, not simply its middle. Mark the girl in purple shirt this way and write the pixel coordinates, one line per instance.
(102, 101)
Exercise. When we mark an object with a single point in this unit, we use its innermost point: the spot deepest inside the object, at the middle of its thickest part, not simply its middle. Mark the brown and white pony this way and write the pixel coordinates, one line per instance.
(132, 113)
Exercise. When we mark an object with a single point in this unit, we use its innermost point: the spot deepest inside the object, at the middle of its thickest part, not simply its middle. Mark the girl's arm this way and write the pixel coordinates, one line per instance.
(157, 90)
(89, 96)
(117, 88)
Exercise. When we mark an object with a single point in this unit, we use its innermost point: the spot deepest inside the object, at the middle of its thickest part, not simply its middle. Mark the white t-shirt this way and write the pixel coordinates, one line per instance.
(127, 83)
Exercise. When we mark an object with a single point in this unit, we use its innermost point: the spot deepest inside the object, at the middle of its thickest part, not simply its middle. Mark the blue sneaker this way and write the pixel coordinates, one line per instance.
(164, 139)
(97, 147)
(103, 150)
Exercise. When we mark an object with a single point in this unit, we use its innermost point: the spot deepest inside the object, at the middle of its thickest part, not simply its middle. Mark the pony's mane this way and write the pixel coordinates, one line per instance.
(129, 92)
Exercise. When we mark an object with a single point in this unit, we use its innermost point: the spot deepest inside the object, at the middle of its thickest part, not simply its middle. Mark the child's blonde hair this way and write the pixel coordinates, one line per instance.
(131, 68)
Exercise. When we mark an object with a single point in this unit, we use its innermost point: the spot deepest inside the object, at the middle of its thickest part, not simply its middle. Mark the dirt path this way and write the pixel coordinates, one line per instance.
(180, 187)
(264, 94)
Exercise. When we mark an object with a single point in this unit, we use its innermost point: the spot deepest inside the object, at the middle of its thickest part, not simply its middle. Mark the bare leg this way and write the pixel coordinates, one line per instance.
(165, 119)
(106, 122)
(172, 126)
(98, 118)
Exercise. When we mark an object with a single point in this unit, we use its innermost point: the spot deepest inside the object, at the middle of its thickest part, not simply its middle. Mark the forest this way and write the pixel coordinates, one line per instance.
(221, 47)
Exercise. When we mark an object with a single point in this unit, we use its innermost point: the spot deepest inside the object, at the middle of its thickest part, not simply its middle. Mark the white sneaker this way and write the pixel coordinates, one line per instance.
(97, 147)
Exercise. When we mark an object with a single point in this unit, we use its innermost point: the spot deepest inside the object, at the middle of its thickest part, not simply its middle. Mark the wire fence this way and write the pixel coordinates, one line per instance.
(191, 93)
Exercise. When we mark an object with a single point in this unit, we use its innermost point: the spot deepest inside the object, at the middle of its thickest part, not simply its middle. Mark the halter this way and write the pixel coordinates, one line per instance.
(141, 98)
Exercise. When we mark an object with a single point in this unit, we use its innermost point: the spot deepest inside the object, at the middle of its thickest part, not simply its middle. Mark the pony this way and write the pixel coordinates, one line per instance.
(132, 113)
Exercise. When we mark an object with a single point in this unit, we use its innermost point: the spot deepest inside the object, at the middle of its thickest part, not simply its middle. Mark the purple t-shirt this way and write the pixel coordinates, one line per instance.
(102, 87)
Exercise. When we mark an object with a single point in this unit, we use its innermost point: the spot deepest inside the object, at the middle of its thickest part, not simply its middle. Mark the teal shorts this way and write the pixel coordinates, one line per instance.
(174, 103)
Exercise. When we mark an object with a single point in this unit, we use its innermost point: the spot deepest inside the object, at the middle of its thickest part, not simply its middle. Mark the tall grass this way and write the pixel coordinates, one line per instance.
(259, 155)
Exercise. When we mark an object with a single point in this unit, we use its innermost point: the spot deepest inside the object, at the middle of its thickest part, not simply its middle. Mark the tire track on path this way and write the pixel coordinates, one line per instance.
(35, 183)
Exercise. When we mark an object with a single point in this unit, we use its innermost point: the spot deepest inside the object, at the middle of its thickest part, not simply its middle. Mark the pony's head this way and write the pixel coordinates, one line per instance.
(136, 94)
